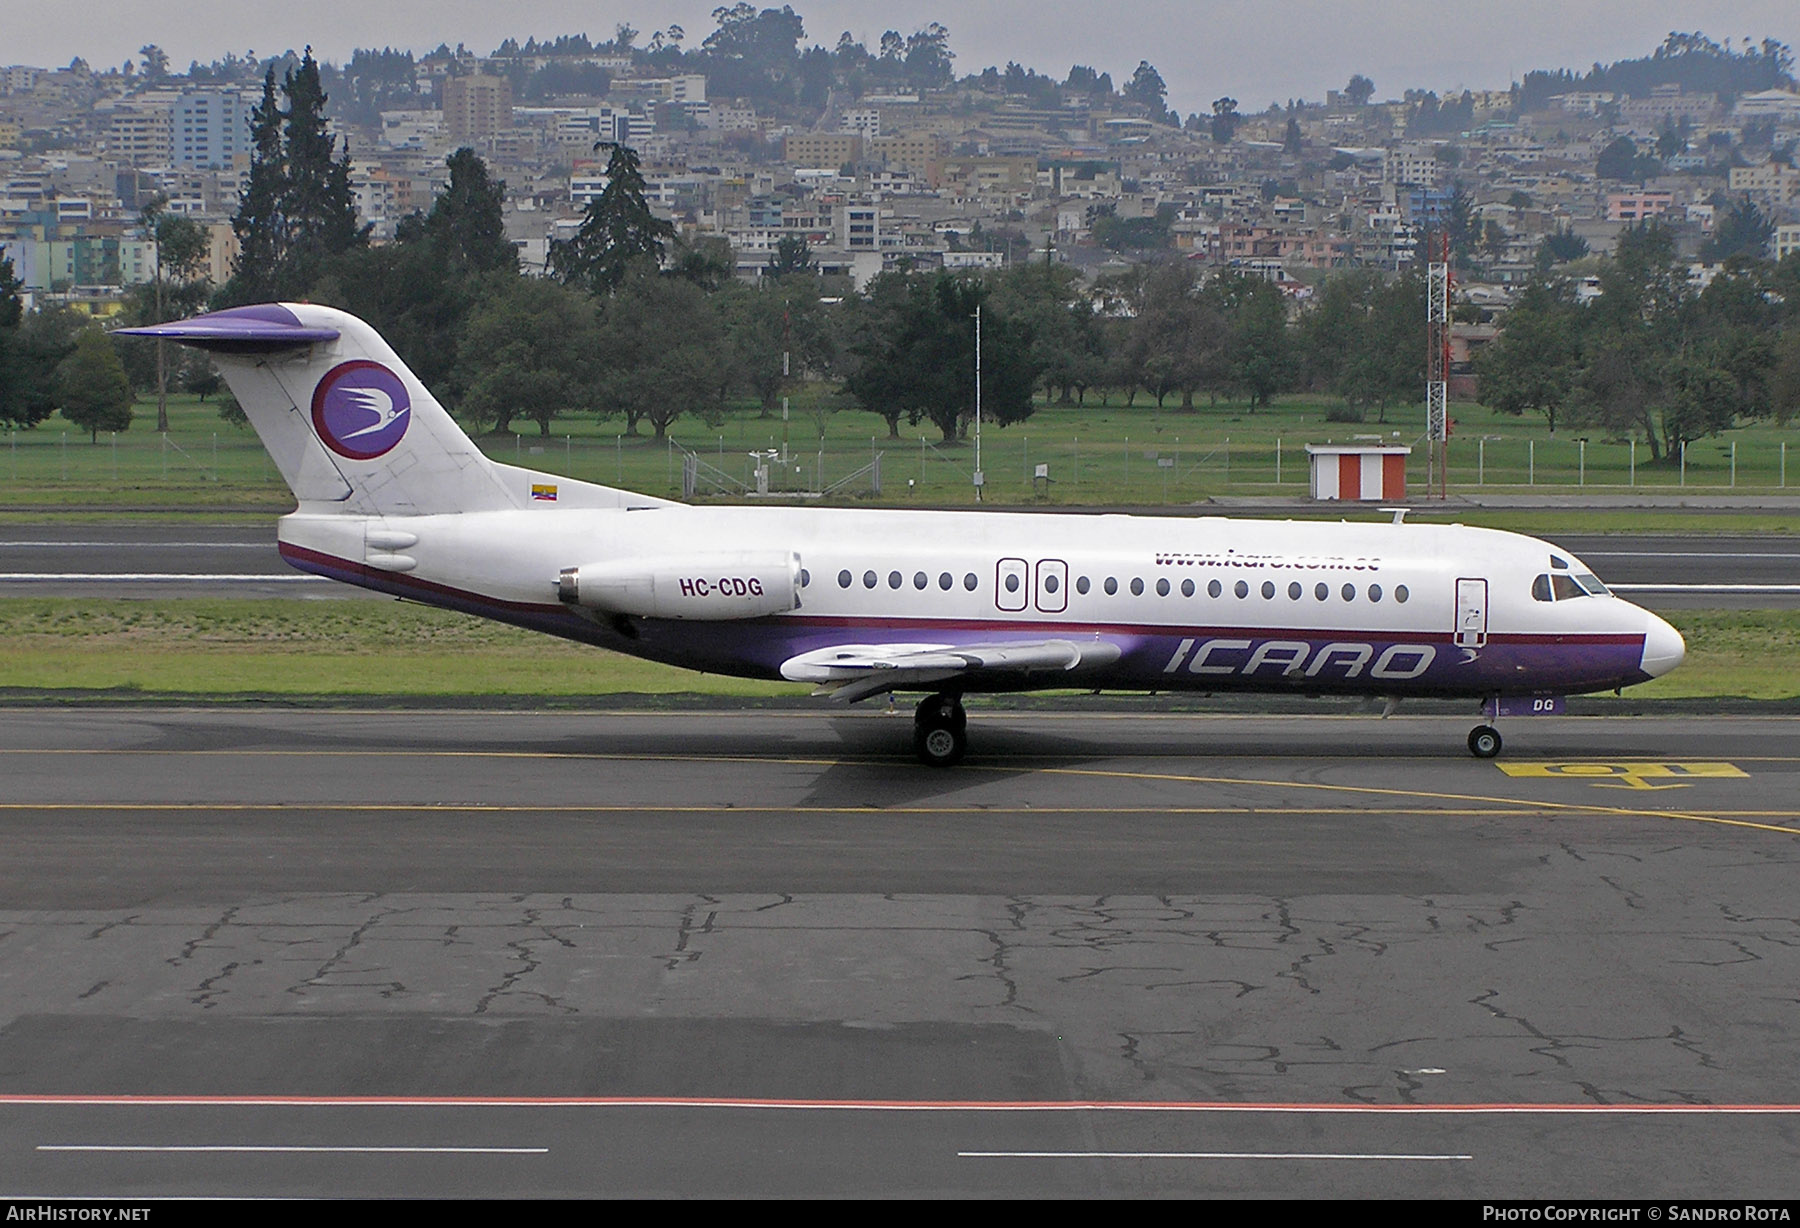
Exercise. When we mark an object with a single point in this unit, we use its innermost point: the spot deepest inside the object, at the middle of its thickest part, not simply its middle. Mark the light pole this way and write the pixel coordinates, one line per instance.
(978, 473)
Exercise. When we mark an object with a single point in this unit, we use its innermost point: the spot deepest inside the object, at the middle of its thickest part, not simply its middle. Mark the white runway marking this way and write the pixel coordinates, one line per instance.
(1197, 1155)
(272, 1147)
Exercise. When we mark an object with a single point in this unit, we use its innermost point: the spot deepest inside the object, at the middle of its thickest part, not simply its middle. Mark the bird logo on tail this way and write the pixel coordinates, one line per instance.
(361, 410)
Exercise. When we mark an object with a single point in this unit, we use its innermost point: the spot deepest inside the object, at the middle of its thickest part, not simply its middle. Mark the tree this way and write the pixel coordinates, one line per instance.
(297, 210)
(528, 350)
(1147, 90)
(915, 355)
(1066, 341)
(181, 245)
(1560, 248)
(156, 62)
(1532, 365)
(1292, 142)
(1259, 355)
(1225, 120)
(617, 229)
(792, 256)
(1742, 230)
(466, 227)
(91, 389)
(660, 352)
(1178, 336)
(1359, 91)
(30, 352)
(1621, 160)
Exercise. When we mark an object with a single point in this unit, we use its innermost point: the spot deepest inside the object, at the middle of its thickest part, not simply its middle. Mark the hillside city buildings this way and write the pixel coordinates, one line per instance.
(963, 177)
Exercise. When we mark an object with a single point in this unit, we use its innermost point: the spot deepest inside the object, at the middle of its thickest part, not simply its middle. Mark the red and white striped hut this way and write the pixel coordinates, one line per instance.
(1363, 472)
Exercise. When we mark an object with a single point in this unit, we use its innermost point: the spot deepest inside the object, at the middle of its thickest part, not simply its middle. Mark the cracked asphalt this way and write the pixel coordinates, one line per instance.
(755, 953)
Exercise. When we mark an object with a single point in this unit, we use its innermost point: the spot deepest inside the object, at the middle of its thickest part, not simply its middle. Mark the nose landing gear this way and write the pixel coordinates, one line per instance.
(940, 734)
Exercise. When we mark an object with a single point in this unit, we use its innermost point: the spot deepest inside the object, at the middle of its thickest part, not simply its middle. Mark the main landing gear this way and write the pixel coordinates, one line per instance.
(940, 731)
(1484, 741)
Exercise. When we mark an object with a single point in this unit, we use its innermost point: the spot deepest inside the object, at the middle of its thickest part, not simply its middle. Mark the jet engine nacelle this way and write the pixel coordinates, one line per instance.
(705, 587)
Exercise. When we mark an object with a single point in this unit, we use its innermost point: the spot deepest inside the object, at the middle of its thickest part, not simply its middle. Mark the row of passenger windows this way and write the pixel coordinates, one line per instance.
(1295, 590)
(920, 580)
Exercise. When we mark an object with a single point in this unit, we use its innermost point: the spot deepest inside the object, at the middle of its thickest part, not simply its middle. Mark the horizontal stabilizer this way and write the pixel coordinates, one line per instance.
(239, 330)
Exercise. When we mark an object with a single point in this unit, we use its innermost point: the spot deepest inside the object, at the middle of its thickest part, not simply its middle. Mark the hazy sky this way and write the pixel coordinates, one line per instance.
(1257, 51)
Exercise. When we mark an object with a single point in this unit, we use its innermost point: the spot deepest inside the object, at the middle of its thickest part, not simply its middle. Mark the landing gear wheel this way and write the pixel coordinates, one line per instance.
(939, 745)
(940, 731)
(1484, 741)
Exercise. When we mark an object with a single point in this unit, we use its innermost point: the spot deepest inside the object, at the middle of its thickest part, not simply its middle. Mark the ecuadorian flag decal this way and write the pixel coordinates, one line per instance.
(543, 494)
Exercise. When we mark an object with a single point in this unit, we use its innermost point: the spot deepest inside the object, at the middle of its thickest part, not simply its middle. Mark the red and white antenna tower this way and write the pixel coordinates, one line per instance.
(1437, 363)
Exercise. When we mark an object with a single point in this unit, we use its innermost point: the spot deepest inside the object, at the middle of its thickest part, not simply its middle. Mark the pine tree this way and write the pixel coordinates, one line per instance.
(298, 209)
(616, 231)
(260, 227)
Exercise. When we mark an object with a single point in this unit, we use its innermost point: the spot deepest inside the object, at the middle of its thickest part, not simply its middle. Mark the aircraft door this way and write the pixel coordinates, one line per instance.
(1012, 584)
(1052, 586)
(1471, 613)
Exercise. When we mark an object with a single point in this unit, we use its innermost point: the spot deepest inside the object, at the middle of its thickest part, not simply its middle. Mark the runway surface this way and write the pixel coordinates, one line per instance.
(1702, 570)
(287, 952)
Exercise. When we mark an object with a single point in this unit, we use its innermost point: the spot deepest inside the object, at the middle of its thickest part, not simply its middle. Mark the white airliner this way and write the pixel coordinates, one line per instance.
(394, 497)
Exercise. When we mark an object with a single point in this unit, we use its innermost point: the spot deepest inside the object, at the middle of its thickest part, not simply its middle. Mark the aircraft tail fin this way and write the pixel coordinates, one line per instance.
(348, 425)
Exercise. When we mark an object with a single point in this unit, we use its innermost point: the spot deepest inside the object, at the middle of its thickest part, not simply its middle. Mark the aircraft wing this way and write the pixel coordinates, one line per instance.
(856, 671)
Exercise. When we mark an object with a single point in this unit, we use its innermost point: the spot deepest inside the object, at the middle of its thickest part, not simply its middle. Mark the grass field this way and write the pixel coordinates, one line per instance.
(308, 648)
(1097, 455)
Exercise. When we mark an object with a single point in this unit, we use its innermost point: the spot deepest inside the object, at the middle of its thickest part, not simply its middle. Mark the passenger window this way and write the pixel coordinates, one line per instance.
(1374, 592)
(1137, 587)
(1112, 586)
(969, 582)
(1081, 586)
(1400, 593)
(1012, 583)
(945, 581)
(894, 579)
(1214, 588)
(868, 579)
(1187, 588)
(1294, 591)
(1349, 592)
(843, 579)
(1268, 589)
(1162, 588)
(1051, 584)
(920, 580)
(1242, 589)
(1321, 592)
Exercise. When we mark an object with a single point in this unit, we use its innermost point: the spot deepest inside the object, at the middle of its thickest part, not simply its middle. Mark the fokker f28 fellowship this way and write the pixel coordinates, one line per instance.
(394, 497)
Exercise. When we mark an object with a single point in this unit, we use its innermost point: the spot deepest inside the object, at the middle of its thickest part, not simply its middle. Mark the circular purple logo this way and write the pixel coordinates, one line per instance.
(361, 409)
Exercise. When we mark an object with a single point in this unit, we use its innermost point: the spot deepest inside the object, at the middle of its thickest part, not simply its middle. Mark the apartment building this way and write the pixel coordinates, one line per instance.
(476, 107)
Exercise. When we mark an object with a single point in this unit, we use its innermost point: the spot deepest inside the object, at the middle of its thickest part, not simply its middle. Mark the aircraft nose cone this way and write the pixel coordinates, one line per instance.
(1664, 648)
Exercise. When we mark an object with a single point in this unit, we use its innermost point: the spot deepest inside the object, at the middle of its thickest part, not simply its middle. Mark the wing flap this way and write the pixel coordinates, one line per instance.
(855, 671)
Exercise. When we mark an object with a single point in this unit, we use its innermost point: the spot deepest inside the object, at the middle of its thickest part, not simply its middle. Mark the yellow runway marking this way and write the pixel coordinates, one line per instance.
(1625, 774)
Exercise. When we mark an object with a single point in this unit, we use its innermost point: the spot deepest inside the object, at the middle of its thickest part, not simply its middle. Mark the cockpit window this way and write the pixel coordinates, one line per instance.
(1540, 589)
(1592, 584)
(1559, 564)
(1565, 588)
